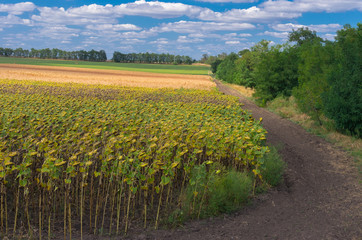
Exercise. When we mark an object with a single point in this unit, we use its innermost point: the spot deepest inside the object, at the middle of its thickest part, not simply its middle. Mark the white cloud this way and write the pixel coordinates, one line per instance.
(329, 36)
(56, 32)
(252, 14)
(141, 34)
(9, 20)
(312, 5)
(185, 39)
(288, 27)
(283, 35)
(132, 41)
(95, 13)
(157, 9)
(197, 27)
(18, 8)
(245, 35)
(225, 1)
(76, 16)
(113, 27)
(232, 42)
(160, 41)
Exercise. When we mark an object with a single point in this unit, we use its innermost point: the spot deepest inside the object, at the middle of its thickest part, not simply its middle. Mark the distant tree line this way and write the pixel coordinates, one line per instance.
(92, 55)
(163, 58)
(325, 77)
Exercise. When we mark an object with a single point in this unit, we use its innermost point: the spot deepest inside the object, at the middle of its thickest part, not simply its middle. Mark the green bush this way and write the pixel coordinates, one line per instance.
(214, 190)
(229, 192)
(343, 100)
(213, 193)
(273, 169)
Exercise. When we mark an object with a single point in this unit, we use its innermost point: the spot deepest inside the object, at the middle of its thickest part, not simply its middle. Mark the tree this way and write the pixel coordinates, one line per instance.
(215, 65)
(343, 100)
(314, 67)
(276, 73)
(245, 66)
(303, 35)
(226, 70)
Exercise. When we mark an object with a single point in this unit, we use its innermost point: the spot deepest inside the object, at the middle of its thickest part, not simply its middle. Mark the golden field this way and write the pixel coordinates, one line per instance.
(105, 77)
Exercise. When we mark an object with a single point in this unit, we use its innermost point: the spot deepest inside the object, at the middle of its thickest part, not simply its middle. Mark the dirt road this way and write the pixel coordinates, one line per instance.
(319, 199)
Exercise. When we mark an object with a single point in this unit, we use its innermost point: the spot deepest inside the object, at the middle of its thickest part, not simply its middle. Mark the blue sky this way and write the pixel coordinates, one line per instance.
(185, 27)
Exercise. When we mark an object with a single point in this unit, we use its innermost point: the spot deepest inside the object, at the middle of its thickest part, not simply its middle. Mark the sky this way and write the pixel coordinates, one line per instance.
(180, 27)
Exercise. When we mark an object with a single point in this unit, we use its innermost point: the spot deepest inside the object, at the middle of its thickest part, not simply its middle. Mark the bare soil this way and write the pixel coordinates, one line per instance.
(320, 197)
(106, 77)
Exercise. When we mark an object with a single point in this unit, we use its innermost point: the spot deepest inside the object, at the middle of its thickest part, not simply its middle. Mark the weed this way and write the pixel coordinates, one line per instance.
(216, 193)
(274, 166)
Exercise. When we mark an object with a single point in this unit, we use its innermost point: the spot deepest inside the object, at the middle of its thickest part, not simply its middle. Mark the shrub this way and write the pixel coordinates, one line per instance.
(273, 169)
(213, 194)
(343, 99)
(229, 192)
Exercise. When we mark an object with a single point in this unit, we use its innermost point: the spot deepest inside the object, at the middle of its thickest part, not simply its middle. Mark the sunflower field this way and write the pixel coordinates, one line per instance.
(99, 158)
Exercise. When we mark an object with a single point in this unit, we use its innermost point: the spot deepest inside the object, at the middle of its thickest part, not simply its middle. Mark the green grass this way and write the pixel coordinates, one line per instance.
(154, 68)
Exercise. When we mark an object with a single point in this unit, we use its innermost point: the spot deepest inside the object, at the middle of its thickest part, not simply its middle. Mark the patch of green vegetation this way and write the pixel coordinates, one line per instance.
(287, 108)
(154, 68)
(212, 192)
(274, 167)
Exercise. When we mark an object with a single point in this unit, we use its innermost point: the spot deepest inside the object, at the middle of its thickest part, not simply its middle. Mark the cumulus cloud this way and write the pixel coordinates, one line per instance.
(9, 20)
(312, 5)
(17, 8)
(95, 13)
(252, 14)
(225, 1)
(283, 35)
(56, 32)
(185, 39)
(329, 36)
(196, 27)
(157, 9)
(113, 27)
(160, 41)
(245, 35)
(232, 42)
(288, 27)
(92, 14)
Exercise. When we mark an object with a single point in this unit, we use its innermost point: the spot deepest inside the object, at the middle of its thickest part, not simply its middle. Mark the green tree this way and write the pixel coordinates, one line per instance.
(314, 67)
(343, 100)
(303, 35)
(215, 64)
(226, 70)
(276, 73)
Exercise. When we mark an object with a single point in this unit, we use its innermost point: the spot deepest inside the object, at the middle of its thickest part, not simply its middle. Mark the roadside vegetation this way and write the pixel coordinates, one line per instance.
(287, 107)
(99, 158)
(323, 77)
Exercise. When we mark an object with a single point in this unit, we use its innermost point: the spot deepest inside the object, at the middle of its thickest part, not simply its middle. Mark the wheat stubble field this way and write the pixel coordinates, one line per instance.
(104, 77)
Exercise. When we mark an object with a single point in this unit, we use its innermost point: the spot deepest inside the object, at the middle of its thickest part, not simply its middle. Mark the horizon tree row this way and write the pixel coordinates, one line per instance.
(147, 57)
(55, 53)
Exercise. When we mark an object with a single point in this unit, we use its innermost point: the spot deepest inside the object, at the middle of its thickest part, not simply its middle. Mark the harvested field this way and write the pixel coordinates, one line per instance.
(105, 77)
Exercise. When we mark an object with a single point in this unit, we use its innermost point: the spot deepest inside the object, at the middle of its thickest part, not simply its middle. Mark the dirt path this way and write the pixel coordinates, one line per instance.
(319, 199)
